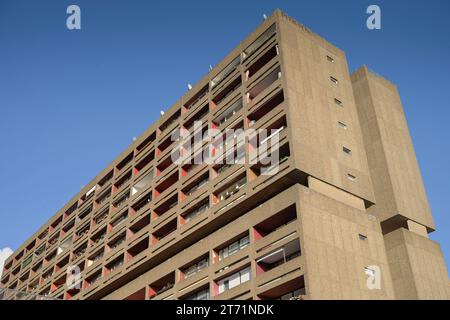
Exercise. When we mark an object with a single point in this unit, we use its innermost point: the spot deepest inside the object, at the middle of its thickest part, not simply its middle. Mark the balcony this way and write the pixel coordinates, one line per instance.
(103, 198)
(198, 116)
(84, 214)
(98, 237)
(114, 265)
(222, 75)
(195, 267)
(101, 217)
(194, 212)
(122, 181)
(169, 122)
(263, 84)
(142, 183)
(119, 220)
(259, 42)
(159, 287)
(80, 251)
(97, 256)
(82, 232)
(278, 257)
(232, 248)
(202, 294)
(290, 290)
(136, 249)
(105, 180)
(121, 200)
(116, 243)
(228, 112)
(143, 163)
(93, 279)
(195, 185)
(138, 225)
(274, 223)
(166, 206)
(227, 91)
(232, 281)
(265, 108)
(164, 187)
(261, 62)
(124, 163)
(164, 231)
(144, 145)
(229, 189)
(68, 227)
(192, 103)
(141, 203)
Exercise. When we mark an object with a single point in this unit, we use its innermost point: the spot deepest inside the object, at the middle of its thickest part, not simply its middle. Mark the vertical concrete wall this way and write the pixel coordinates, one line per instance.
(335, 255)
(396, 177)
(416, 262)
(417, 266)
(316, 139)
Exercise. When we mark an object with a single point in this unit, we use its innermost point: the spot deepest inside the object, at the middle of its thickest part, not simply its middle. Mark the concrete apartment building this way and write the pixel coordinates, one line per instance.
(347, 203)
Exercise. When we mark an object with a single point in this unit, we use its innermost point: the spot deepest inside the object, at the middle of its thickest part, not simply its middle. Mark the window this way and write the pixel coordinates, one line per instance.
(351, 177)
(231, 190)
(347, 150)
(334, 80)
(368, 271)
(330, 59)
(195, 267)
(293, 295)
(362, 237)
(342, 125)
(338, 102)
(234, 280)
(234, 247)
(199, 295)
(204, 205)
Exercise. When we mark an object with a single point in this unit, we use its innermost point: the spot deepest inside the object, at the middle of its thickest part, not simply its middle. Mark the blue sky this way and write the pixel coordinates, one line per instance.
(71, 101)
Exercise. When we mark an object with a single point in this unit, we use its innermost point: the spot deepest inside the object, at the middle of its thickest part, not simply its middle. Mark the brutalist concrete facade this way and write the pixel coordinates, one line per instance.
(345, 217)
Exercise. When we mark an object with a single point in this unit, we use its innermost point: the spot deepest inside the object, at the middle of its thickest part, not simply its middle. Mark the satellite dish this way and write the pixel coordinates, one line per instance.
(264, 16)
(162, 112)
(189, 86)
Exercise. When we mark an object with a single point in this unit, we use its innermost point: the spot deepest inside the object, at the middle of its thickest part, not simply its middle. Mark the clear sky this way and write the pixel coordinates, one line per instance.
(71, 101)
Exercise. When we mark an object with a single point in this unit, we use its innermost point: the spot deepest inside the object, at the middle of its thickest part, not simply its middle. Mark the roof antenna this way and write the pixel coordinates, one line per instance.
(264, 16)
(210, 67)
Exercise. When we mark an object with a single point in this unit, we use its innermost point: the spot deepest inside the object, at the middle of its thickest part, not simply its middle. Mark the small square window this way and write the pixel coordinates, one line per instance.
(368, 271)
(351, 177)
(342, 125)
(334, 80)
(347, 150)
(330, 59)
(362, 237)
(338, 102)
